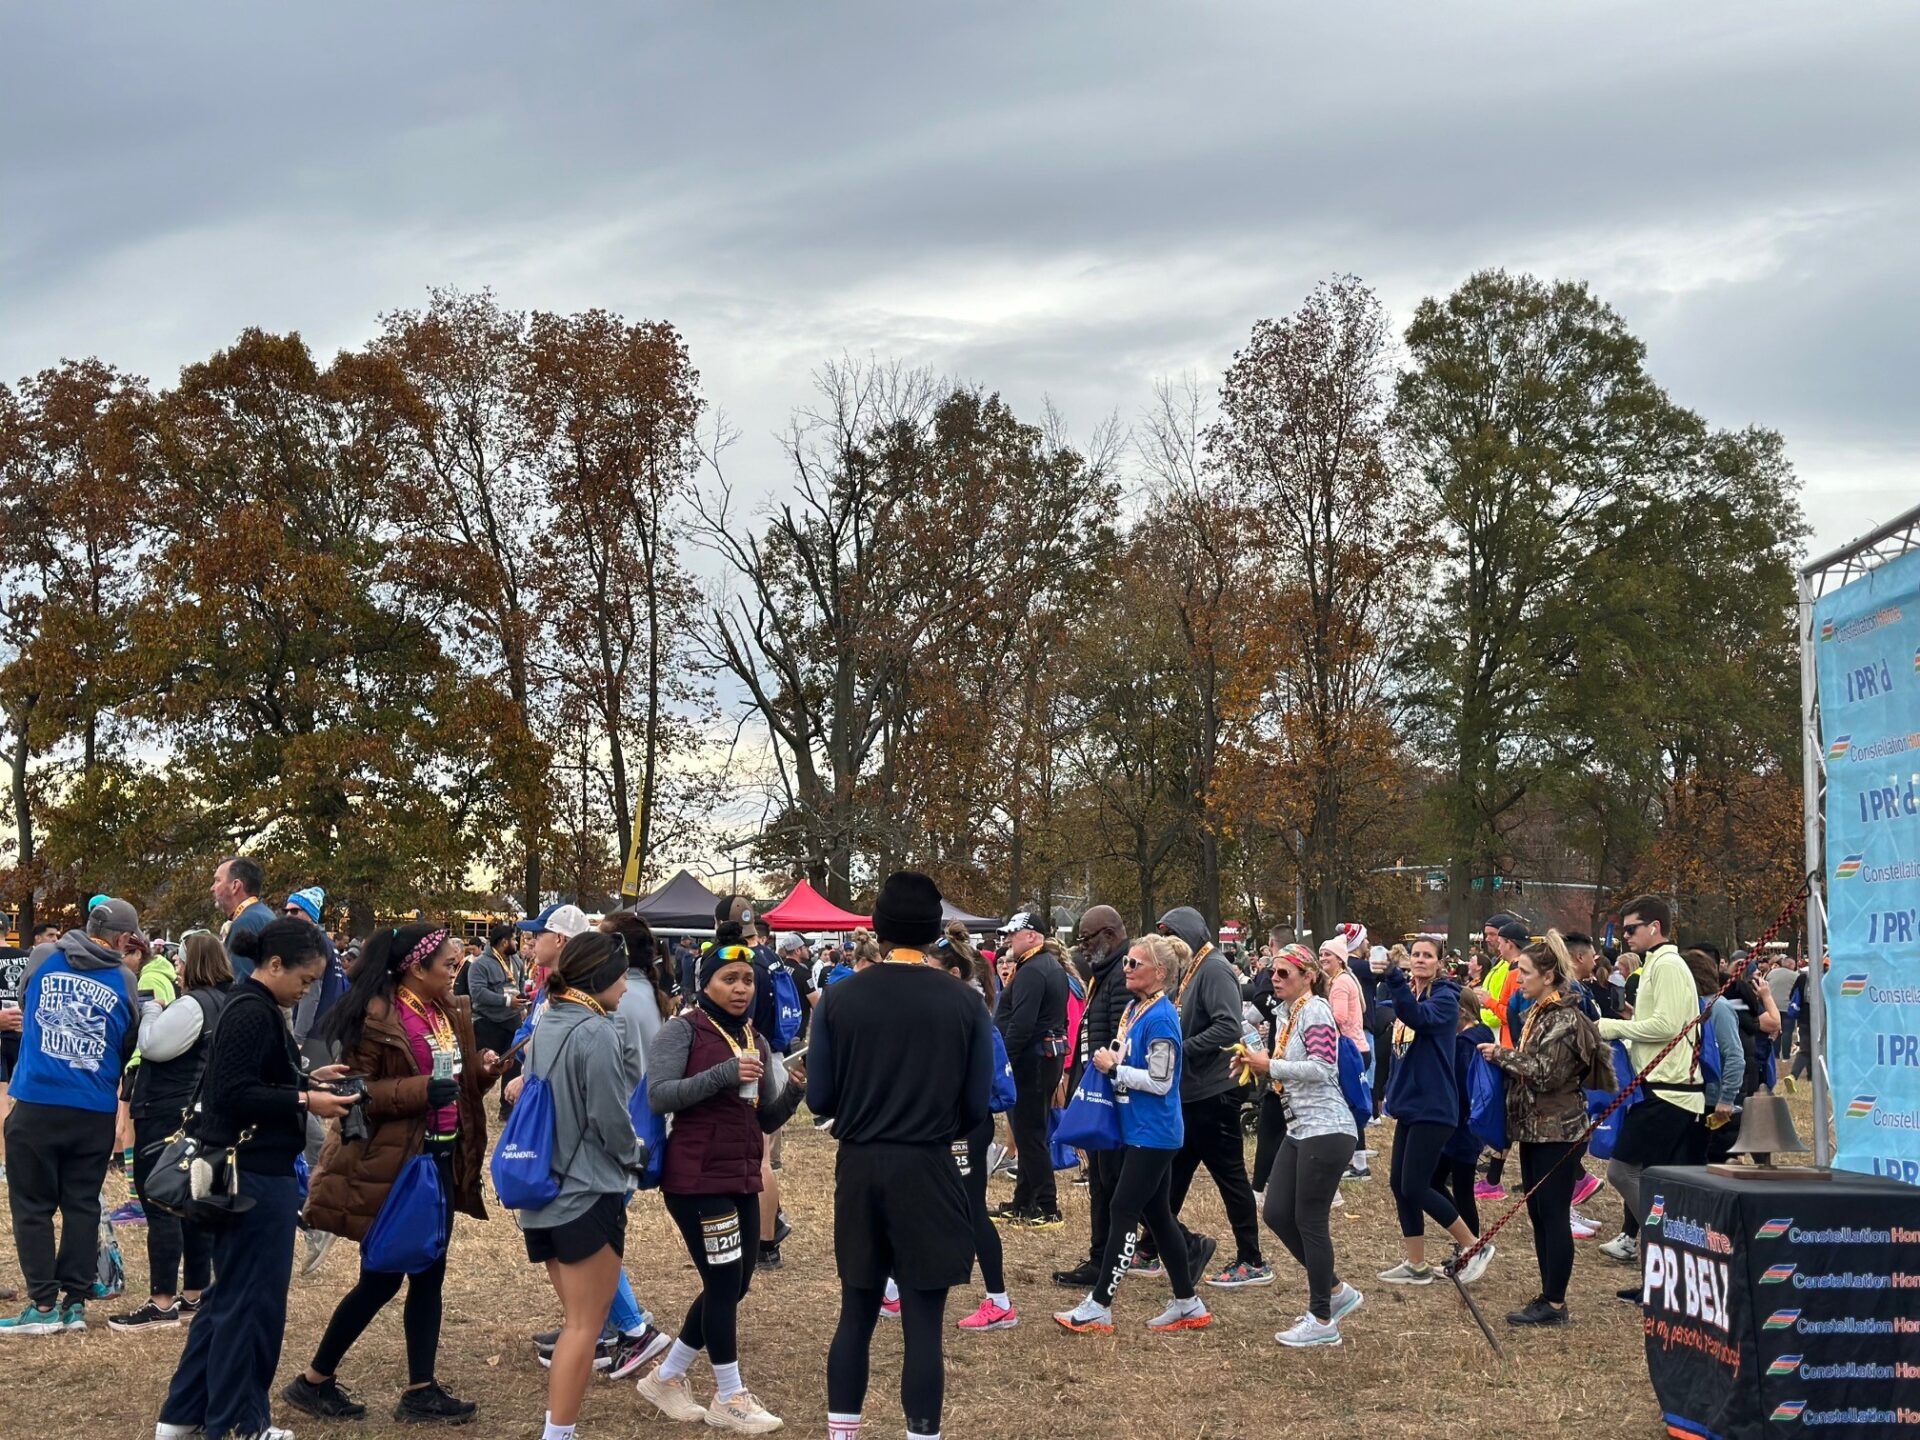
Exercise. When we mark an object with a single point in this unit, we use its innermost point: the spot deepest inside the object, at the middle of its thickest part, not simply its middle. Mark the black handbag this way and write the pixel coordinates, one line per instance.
(192, 1179)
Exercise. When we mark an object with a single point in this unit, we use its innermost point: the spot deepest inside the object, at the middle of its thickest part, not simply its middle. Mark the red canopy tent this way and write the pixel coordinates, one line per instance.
(807, 909)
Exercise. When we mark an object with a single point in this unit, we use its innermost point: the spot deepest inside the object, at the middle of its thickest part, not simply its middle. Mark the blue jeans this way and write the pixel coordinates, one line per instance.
(225, 1377)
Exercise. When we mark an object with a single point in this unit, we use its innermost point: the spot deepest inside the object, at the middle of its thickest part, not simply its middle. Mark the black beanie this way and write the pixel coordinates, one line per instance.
(718, 954)
(907, 910)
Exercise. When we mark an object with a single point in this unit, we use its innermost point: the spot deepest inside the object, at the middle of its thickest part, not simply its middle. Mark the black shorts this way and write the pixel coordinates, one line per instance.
(584, 1236)
(901, 1211)
(1656, 1132)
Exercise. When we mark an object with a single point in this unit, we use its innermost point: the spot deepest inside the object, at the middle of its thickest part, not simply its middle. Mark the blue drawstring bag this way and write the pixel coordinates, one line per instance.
(1060, 1155)
(1353, 1078)
(522, 1166)
(787, 1014)
(652, 1130)
(304, 1174)
(410, 1232)
(1707, 1060)
(1001, 1099)
(1091, 1120)
(1487, 1101)
(1606, 1135)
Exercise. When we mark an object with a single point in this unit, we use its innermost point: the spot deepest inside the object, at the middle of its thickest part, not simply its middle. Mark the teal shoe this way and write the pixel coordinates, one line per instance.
(32, 1321)
(73, 1315)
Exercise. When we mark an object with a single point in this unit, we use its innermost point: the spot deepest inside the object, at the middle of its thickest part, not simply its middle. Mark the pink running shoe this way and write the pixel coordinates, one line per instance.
(889, 1309)
(1585, 1188)
(990, 1317)
(1483, 1190)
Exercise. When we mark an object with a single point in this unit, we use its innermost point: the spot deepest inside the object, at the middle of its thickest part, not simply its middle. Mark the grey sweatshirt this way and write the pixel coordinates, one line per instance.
(581, 1057)
(487, 985)
(639, 1019)
(671, 1089)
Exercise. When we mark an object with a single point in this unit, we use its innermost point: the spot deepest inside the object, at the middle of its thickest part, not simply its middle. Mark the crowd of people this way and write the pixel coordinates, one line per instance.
(321, 1089)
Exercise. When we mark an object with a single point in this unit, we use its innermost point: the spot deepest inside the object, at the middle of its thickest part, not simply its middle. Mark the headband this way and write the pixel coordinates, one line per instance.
(417, 956)
(1301, 958)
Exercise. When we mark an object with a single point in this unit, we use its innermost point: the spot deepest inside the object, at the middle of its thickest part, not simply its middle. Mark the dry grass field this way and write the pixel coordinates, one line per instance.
(1413, 1364)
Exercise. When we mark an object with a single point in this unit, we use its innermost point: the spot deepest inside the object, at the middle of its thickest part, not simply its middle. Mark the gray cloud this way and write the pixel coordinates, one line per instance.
(1049, 199)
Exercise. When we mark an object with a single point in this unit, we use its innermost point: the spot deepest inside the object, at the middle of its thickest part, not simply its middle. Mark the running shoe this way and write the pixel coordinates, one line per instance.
(602, 1351)
(32, 1321)
(1539, 1312)
(1240, 1275)
(431, 1405)
(781, 1228)
(189, 1307)
(1086, 1318)
(1408, 1273)
(630, 1352)
(73, 1315)
(1082, 1277)
(1338, 1200)
(989, 1317)
(1623, 1248)
(1586, 1187)
(1044, 1220)
(1631, 1295)
(163, 1431)
(889, 1309)
(1582, 1227)
(316, 1244)
(1357, 1170)
(1147, 1265)
(325, 1401)
(1477, 1266)
(1200, 1253)
(1307, 1331)
(1487, 1190)
(1009, 1213)
(1346, 1300)
(148, 1317)
(131, 1213)
(742, 1413)
(769, 1257)
(1182, 1315)
(998, 1158)
(672, 1398)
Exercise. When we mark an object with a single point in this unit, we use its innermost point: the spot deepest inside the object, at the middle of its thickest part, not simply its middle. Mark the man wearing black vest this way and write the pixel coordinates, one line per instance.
(901, 1061)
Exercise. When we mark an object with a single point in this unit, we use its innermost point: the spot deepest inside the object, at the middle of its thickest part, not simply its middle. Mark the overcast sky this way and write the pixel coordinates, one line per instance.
(1048, 199)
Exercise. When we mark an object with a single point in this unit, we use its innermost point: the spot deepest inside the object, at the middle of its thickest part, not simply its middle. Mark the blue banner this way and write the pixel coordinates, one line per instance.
(1868, 654)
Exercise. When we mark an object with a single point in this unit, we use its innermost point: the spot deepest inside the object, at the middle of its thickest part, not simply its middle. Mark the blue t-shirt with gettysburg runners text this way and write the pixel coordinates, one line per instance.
(77, 1029)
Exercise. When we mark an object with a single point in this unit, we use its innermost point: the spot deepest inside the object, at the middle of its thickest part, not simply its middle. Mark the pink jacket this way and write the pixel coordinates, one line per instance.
(1349, 1009)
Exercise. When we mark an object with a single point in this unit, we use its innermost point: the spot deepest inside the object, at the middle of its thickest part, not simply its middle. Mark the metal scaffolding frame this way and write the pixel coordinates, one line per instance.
(1828, 573)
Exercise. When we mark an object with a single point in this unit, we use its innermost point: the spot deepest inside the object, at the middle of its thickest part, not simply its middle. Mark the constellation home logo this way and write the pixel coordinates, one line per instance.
(1861, 1106)
(1656, 1213)
(1839, 747)
(1853, 985)
(1785, 1365)
(1848, 868)
(1781, 1320)
(1778, 1274)
(1861, 625)
(1788, 1410)
(1773, 1229)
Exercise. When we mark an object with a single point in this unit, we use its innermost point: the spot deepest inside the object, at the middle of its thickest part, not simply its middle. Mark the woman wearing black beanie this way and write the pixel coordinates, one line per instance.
(901, 1061)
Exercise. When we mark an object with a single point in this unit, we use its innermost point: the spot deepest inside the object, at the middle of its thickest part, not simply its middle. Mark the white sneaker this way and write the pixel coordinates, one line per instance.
(1346, 1300)
(1407, 1273)
(164, 1431)
(1623, 1248)
(1182, 1315)
(1309, 1331)
(1338, 1199)
(672, 1398)
(743, 1413)
(1583, 1228)
(1477, 1266)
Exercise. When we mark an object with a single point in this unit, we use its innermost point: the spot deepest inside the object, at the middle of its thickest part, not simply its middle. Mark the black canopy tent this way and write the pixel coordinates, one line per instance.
(683, 903)
(986, 924)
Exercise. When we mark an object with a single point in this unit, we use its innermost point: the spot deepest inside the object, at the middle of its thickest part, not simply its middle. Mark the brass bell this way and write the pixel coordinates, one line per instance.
(1766, 1127)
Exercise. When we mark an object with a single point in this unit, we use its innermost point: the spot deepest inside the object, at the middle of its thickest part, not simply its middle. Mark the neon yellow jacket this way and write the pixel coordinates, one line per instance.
(1667, 1001)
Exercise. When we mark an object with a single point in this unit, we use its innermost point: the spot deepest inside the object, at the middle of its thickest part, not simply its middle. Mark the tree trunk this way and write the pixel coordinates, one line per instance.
(23, 814)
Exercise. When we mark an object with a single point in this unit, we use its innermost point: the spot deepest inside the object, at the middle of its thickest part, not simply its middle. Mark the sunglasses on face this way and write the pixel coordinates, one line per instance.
(1635, 926)
(1133, 962)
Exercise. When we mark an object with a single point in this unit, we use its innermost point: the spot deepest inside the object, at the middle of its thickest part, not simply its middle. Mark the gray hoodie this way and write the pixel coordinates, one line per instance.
(1209, 1000)
(583, 1059)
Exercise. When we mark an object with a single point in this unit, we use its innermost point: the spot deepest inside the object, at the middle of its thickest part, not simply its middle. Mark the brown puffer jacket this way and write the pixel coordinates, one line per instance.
(353, 1180)
(1560, 1054)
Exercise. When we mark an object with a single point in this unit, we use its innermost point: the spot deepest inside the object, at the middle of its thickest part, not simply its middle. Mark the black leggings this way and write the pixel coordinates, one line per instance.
(1455, 1178)
(1416, 1154)
(723, 1237)
(1141, 1193)
(1306, 1177)
(419, 1320)
(923, 1379)
(986, 1235)
(168, 1236)
(1548, 1210)
(1272, 1130)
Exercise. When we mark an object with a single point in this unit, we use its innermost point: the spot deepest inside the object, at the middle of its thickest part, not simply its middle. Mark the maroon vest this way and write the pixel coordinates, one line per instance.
(715, 1147)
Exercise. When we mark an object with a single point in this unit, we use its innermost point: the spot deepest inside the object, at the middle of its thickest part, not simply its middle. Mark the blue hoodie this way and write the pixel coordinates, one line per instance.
(80, 1023)
(1423, 1089)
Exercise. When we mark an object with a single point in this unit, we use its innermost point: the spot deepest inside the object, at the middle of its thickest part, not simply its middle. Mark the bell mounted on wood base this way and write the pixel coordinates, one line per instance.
(1766, 1130)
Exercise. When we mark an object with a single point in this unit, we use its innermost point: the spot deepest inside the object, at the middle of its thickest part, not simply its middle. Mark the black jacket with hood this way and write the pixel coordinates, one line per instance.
(1210, 1016)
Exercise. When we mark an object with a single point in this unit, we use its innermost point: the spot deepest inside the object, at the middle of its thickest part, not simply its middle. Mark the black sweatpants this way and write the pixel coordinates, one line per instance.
(1416, 1155)
(1103, 1173)
(169, 1238)
(722, 1233)
(1213, 1139)
(1455, 1179)
(1141, 1194)
(970, 1155)
(1548, 1210)
(1034, 1080)
(923, 1376)
(1306, 1177)
(1272, 1130)
(420, 1317)
(57, 1159)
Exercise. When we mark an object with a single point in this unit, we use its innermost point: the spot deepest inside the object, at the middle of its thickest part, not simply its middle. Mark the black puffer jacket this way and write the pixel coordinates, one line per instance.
(1106, 1001)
